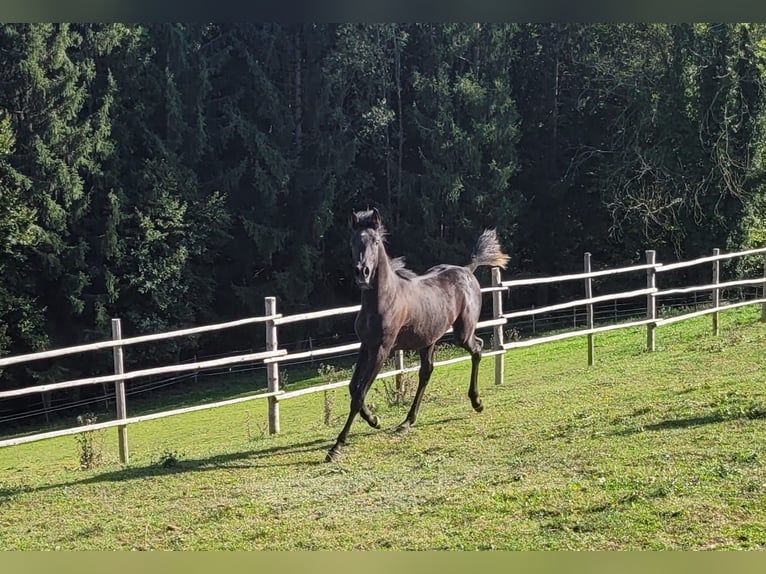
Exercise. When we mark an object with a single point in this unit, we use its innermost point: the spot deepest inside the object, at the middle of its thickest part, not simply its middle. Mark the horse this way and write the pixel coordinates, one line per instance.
(403, 310)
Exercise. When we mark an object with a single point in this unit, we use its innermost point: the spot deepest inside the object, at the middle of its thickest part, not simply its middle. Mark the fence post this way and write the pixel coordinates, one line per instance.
(763, 293)
(272, 369)
(311, 350)
(399, 366)
(497, 313)
(589, 306)
(119, 392)
(716, 291)
(651, 302)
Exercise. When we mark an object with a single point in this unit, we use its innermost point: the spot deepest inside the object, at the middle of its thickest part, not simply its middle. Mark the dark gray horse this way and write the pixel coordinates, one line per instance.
(403, 310)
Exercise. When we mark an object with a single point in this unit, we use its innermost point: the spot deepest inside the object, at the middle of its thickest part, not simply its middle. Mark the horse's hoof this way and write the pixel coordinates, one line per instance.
(479, 407)
(403, 428)
(332, 455)
(375, 422)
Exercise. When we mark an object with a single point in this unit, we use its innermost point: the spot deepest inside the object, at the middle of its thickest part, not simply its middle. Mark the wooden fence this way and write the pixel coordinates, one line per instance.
(274, 356)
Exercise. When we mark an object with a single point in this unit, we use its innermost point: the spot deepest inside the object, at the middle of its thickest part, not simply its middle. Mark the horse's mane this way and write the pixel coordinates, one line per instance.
(397, 266)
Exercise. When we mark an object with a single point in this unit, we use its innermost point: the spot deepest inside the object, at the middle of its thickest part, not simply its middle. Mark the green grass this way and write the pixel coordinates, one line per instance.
(660, 450)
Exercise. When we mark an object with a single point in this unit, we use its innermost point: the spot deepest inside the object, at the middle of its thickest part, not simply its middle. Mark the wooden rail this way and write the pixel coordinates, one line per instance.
(143, 373)
(709, 287)
(131, 420)
(719, 257)
(727, 307)
(575, 276)
(274, 355)
(5, 361)
(579, 303)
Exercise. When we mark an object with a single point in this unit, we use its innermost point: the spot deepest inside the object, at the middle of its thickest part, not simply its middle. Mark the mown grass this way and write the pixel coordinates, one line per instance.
(641, 451)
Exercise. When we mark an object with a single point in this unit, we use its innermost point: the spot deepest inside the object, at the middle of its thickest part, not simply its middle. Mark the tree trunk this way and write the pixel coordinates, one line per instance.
(298, 95)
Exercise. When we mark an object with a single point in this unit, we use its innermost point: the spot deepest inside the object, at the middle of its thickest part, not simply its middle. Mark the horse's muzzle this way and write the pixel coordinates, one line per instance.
(363, 276)
(363, 284)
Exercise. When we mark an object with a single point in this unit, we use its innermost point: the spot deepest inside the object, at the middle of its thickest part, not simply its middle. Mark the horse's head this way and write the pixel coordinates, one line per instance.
(365, 245)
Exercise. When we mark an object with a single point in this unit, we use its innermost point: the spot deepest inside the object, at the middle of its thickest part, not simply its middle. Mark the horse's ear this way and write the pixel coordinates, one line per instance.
(375, 218)
(353, 219)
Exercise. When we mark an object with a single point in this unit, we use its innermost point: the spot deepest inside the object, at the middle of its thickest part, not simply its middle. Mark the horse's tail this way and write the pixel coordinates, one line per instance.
(487, 251)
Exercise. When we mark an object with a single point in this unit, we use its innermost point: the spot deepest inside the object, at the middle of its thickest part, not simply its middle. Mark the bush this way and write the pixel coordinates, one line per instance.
(90, 443)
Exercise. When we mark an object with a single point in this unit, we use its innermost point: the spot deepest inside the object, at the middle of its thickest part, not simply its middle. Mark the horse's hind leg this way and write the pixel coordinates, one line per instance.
(473, 345)
(473, 389)
(424, 375)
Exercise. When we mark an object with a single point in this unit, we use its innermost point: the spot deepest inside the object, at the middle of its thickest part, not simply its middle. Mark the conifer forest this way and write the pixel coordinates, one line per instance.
(175, 174)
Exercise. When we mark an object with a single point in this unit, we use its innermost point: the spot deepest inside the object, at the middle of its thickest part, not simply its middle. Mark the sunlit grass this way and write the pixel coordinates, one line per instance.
(643, 450)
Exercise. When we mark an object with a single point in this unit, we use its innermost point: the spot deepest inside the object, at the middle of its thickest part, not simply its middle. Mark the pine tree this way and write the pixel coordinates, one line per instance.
(58, 145)
(461, 144)
(164, 227)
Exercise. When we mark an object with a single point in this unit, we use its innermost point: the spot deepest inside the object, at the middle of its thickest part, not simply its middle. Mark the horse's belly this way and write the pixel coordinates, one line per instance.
(410, 339)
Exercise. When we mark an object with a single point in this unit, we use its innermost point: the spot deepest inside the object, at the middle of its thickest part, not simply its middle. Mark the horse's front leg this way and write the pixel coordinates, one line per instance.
(366, 414)
(361, 380)
(360, 370)
(361, 364)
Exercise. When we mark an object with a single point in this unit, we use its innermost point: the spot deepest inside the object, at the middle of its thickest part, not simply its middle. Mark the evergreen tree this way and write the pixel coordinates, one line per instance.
(175, 174)
(460, 147)
(164, 230)
(47, 74)
(20, 320)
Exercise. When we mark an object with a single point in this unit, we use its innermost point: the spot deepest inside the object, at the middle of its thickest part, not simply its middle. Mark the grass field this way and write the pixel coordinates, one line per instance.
(641, 451)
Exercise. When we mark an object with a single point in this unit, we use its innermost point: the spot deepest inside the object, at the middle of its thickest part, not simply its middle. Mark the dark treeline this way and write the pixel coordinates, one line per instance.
(174, 175)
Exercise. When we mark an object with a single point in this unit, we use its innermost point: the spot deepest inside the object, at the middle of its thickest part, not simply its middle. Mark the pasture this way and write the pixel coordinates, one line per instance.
(661, 450)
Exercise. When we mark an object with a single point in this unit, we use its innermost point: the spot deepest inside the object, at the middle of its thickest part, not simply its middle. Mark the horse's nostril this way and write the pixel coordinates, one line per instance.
(366, 271)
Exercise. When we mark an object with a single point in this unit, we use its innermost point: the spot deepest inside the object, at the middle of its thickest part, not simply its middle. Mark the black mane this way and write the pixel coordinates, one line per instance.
(397, 266)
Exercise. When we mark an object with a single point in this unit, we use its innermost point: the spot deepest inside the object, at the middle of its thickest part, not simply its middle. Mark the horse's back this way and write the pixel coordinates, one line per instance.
(443, 296)
(452, 277)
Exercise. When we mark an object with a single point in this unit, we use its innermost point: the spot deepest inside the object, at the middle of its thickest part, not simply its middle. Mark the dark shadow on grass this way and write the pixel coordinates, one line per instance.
(192, 465)
(6, 493)
(419, 424)
(674, 424)
(246, 459)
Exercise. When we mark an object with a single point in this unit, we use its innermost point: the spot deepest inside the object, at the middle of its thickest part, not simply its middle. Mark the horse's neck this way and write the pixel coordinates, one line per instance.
(386, 282)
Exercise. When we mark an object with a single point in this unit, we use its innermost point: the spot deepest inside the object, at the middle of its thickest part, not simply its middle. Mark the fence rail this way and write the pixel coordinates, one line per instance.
(142, 373)
(275, 356)
(576, 276)
(4, 362)
(132, 420)
(711, 310)
(711, 258)
(710, 287)
(580, 303)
